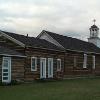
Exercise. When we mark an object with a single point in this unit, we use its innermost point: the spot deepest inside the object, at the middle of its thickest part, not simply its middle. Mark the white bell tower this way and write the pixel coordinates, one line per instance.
(94, 35)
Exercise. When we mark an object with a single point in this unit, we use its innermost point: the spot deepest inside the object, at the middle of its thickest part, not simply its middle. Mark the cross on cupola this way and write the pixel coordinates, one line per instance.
(94, 21)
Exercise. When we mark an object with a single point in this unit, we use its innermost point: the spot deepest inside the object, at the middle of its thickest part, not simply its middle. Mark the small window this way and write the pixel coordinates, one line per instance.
(85, 61)
(34, 64)
(93, 62)
(58, 64)
(50, 67)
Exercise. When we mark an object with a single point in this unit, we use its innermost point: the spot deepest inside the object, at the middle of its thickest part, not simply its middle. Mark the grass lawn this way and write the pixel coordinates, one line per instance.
(76, 89)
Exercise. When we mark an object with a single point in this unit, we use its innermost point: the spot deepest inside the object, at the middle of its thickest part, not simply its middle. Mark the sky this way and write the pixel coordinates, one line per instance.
(67, 17)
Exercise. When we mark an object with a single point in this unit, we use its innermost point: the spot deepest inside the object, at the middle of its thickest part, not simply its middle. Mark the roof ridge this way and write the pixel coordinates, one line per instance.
(14, 33)
(33, 41)
(83, 44)
(66, 36)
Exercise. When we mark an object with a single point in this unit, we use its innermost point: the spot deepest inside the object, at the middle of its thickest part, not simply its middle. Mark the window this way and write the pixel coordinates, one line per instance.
(34, 64)
(43, 68)
(93, 62)
(50, 67)
(85, 61)
(6, 69)
(58, 64)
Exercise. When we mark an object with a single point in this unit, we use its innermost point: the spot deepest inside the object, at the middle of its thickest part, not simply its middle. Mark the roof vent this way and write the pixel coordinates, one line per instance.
(27, 35)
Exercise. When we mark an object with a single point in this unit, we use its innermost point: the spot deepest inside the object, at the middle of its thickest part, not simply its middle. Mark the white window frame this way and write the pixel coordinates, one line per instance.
(8, 68)
(44, 68)
(35, 64)
(85, 61)
(93, 57)
(50, 75)
(58, 69)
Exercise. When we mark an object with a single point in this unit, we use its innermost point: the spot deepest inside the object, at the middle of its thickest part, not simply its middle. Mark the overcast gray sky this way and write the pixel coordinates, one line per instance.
(68, 17)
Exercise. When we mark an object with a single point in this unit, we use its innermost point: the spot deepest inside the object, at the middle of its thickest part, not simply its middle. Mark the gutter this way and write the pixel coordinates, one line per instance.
(13, 55)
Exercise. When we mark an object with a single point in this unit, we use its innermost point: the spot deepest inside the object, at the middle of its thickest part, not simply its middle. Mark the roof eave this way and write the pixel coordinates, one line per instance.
(82, 51)
(13, 55)
(12, 39)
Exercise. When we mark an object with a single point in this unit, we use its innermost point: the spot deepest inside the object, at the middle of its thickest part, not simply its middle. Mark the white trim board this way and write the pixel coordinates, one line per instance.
(35, 65)
(6, 70)
(50, 67)
(42, 68)
(12, 55)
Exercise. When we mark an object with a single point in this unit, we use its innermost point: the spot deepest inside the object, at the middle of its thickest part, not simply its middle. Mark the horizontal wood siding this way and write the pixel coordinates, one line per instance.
(71, 62)
(0, 68)
(31, 75)
(77, 69)
(97, 69)
(17, 69)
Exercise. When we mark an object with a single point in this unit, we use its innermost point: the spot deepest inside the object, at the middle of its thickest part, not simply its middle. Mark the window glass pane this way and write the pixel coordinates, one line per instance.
(42, 67)
(5, 70)
(85, 61)
(5, 78)
(6, 63)
(5, 74)
(50, 66)
(33, 63)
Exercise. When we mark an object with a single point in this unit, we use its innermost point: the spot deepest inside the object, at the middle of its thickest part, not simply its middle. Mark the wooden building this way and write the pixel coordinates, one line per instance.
(49, 55)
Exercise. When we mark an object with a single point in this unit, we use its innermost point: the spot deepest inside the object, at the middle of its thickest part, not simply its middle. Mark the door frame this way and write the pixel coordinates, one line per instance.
(44, 68)
(50, 76)
(9, 69)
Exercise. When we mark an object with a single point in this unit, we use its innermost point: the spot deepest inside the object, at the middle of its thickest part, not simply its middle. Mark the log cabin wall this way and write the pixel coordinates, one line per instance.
(32, 75)
(97, 69)
(74, 64)
(17, 68)
(0, 68)
(79, 70)
(71, 62)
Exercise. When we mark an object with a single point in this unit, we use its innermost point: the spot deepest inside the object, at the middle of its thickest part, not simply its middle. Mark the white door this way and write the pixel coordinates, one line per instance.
(6, 69)
(50, 67)
(43, 68)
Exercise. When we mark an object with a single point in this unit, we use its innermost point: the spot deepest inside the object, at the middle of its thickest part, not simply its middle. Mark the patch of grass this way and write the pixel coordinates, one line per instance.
(14, 82)
(76, 89)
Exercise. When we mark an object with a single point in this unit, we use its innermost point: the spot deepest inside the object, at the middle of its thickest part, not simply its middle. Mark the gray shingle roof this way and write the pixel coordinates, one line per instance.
(73, 43)
(68, 43)
(34, 42)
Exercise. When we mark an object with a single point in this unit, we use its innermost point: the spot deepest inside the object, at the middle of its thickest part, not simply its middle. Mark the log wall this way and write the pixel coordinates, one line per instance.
(0, 68)
(31, 75)
(74, 64)
(97, 69)
(17, 68)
